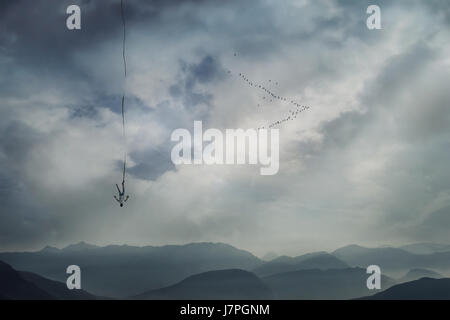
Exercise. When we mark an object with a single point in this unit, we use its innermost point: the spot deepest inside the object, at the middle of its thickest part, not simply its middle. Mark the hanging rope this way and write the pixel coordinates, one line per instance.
(122, 197)
(124, 39)
(123, 116)
(123, 96)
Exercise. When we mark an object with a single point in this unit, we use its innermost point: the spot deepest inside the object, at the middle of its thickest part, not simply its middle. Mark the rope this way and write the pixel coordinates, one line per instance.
(124, 39)
(123, 96)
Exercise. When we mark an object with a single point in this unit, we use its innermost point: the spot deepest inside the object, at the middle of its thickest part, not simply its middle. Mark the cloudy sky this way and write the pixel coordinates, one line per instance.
(368, 163)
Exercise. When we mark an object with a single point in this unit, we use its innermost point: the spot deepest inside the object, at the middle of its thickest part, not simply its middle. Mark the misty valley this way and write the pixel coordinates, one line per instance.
(220, 271)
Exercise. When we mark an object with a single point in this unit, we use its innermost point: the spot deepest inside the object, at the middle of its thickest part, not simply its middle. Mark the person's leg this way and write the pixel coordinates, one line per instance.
(117, 188)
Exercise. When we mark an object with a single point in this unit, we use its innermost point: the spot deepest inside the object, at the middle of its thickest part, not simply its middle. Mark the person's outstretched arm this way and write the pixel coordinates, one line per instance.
(116, 198)
(126, 199)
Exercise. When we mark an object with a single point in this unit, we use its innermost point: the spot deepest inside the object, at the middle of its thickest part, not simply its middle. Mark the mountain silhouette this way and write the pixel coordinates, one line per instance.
(322, 284)
(415, 274)
(319, 260)
(233, 284)
(57, 289)
(17, 285)
(392, 259)
(422, 289)
(269, 256)
(80, 246)
(207, 271)
(122, 271)
(14, 287)
(426, 248)
(388, 257)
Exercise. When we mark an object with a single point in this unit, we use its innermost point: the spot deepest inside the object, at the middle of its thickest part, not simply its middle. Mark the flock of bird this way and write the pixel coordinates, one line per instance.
(292, 115)
(271, 96)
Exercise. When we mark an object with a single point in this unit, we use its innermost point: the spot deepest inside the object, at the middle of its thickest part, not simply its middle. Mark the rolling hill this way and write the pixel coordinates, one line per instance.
(422, 289)
(322, 284)
(233, 284)
(14, 287)
(17, 285)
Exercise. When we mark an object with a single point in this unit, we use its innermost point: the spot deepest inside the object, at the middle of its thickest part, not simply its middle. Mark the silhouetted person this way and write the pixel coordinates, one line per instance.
(122, 197)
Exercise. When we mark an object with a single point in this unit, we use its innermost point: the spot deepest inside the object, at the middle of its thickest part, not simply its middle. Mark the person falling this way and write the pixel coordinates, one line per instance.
(122, 199)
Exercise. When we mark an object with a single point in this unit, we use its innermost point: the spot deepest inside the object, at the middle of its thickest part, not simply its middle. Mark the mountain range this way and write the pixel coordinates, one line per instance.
(329, 284)
(123, 271)
(422, 289)
(426, 248)
(17, 285)
(214, 285)
(212, 270)
(392, 259)
(318, 260)
(416, 274)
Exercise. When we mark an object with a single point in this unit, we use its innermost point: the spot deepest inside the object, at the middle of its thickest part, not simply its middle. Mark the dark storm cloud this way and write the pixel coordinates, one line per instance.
(38, 41)
(84, 111)
(44, 27)
(17, 141)
(42, 31)
(22, 218)
(43, 56)
(43, 50)
(207, 70)
(152, 163)
(53, 48)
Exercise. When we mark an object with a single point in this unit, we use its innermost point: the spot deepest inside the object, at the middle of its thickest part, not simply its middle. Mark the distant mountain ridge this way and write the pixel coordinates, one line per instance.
(426, 248)
(80, 246)
(415, 274)
(233, 284)
(339, 284)
(389, 258)
(121, 271)
(318, 260)
(19, 285)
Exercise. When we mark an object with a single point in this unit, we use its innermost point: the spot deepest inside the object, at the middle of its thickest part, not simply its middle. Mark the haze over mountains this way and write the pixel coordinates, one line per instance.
(426, 248)
(122, 271)
(29, 286)
(393, 259)
(416, 274)
(221, 284)
(217, 271)
(318, 260)
(344, 283)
